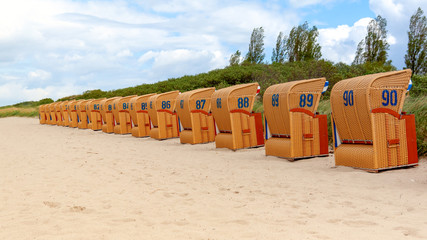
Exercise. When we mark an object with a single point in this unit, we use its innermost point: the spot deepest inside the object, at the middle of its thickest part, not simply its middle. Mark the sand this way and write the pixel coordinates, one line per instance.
(65, 183)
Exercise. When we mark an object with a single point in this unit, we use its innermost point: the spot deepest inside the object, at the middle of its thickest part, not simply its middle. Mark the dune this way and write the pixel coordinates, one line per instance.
(67, 183)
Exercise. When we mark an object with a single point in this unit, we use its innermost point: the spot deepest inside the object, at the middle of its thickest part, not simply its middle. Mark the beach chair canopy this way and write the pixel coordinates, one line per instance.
(164, 102)
(353, 100)
(280, 99)
(239, 97)
(198, 100)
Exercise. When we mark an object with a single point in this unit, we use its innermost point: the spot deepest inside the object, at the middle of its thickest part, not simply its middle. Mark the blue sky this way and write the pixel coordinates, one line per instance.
(56, 48)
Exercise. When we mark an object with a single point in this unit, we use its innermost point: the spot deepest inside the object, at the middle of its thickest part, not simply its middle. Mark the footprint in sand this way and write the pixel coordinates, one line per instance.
(359, 223)
(52, 204)
(77, 209)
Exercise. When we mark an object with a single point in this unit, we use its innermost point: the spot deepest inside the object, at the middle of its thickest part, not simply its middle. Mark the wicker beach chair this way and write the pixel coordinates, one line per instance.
(123, 121)
(161, 108)
(293, 128)
(139, 115)
(369, 128)
(238, 126)
(106, 109)
(194, 112)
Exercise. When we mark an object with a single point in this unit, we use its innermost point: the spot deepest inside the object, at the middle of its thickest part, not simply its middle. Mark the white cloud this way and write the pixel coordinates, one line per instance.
(397, 13)
(305, 3)
(39, 74)
(339, 44)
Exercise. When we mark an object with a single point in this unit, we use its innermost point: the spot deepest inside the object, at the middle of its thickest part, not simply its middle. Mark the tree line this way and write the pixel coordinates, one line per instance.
(302, 45)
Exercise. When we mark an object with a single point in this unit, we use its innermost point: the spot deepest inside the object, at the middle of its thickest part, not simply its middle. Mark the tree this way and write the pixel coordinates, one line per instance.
(278, 55)
(301, 45)
(374, 47)
(416, 56)
(235, 58)
(256, 46)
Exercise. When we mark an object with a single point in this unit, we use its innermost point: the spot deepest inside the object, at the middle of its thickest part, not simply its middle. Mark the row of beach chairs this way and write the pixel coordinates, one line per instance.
(370, 131)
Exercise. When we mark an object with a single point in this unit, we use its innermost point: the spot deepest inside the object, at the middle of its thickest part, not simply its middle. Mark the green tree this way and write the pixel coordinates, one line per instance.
(374, 47)
(278, 55)
(301, 45)
(256, 46)
(235, 58)
(416, 57)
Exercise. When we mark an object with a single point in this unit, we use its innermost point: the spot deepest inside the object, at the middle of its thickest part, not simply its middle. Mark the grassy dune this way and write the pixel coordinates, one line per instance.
(19, 112)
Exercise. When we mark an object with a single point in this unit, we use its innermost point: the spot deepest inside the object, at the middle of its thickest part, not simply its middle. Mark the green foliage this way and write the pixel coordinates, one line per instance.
(301, 45)
(416, 55)
(256, 47)
(419, 85)
(18, 113)
(374, 47)
(418, 106)
(235, 58)
(278, 55)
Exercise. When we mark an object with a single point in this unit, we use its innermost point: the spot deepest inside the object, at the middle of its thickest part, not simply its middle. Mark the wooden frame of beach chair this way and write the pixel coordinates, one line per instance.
(123, 120)
(108, 121)
(139, 115)
(74, 117)
(369, 128)
(52, 113)
(42, 114)
(296, 130)
(163, 116)
(194, 112)
(95, 115)
(83, 113)
(238, 126)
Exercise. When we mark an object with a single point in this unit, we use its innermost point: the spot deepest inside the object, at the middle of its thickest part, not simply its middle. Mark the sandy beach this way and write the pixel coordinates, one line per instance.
(65, 183)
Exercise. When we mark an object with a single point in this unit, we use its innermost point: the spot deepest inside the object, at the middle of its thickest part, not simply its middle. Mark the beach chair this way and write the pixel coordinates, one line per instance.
(47, 112)
(63, 108)
(194, 112)
(296, 129)
(83, 113)
(370, 131)
(122, 115)
(58, 114)
(108, 121)
(95, 121)
(139, 115)
(52, 113)
(42, 114)
(238, 126)
(73, 113)
(163, 116)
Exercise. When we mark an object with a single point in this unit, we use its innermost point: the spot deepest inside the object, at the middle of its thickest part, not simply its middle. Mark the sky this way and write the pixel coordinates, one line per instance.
(57, 48)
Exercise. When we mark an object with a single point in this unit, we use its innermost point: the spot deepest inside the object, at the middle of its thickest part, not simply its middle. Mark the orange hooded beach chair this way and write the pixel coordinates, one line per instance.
(65, 113)
(73, 113)
(293, 129)
(95, 121)
(163, 116)
(42, 114)
(194, 112)
(52, 112)
(238, 126)
(369, 128)
(59, 119)
(83, 116)
(108, 121)
(122, 115)
(139, 115)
